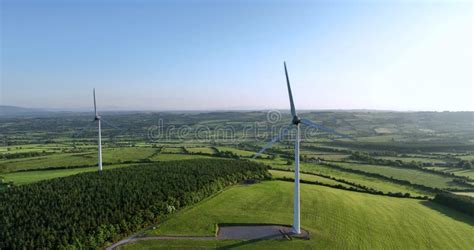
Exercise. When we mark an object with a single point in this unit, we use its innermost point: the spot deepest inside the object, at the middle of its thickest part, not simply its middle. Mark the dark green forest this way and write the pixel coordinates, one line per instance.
(88, 210)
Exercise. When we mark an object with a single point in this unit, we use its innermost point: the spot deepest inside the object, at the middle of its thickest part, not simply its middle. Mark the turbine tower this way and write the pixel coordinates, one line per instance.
(99, 140)
(296, 121)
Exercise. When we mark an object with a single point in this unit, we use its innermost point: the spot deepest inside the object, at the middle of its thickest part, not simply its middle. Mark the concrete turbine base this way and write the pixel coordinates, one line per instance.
(258, 232)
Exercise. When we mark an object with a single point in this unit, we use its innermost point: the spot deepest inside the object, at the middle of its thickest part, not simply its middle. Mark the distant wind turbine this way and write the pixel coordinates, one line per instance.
(99, 140)
(296, 122)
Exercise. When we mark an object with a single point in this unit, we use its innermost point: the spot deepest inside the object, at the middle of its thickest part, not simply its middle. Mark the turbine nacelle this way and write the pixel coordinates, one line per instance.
(296, 120)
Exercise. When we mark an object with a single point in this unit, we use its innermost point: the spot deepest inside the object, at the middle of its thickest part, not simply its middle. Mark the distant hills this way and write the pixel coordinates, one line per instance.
(19, 111)
(13, 111)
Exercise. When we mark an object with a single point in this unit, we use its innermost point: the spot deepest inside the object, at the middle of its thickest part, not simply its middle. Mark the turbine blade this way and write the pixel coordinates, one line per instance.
(110, 124)
(273, 141)
(321, 127)
(292, 104)
(95, 107)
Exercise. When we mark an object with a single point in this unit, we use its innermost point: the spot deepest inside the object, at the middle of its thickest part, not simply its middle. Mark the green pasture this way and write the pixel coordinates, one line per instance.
(27, 177)
(370, 182)
(175, 157)
(456, 171)
(239, 152)
(306, 177)
(172, 150)
(412, 175)
(200, 150)
(410, 159)
(110, 155)
(336, 219)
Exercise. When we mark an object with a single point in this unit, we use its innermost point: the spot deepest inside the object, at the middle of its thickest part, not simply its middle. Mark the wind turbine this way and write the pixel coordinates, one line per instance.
(99, 141)
(296, 123)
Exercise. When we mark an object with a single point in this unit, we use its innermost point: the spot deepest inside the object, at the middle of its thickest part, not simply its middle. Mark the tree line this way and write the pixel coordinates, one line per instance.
(461, 203)
(20, 155)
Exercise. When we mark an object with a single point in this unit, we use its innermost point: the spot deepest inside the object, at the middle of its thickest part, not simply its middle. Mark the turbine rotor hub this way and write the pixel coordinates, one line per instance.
(296, 120)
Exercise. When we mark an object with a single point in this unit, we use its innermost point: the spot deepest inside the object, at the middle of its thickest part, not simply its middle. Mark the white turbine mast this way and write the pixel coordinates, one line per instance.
(99, 140)
(296, 121)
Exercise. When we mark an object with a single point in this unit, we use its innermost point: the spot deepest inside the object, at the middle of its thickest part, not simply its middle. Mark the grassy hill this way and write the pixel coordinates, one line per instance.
(335, 218)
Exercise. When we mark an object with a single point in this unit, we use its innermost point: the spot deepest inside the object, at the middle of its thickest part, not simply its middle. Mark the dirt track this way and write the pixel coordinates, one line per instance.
(134, 238)
(230, 232)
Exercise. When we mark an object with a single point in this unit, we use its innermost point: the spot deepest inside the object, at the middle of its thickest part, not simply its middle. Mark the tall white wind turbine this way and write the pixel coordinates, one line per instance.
(99, 140)
(296, 123)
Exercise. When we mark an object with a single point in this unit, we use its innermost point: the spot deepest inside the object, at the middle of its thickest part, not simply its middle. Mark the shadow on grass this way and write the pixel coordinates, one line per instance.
(454, 214)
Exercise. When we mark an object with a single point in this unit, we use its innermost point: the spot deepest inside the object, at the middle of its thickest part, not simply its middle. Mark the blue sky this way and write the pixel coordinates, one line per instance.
(175, 55)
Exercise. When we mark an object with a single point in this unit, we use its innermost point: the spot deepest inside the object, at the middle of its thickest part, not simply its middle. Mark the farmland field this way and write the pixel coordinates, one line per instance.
(170, 150)
(202, 150)
(238, 152)
(26, 177)
(336, 219)
(456, 171)
(410, 159)
(110, 155)
(412, 175)
(306, 177)
(33, 154)
(367, 181)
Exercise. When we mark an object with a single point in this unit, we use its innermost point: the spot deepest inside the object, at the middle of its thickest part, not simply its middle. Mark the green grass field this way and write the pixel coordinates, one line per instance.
(239, 152)
(31, 148)
(117, 155)
(456, 171)
(410, 159)
(26, 177)
(371, 182)
(412, 175)
(467, 157)
(336, 219)
(172, 150)
(306, 177)
(325, 156)
(55, 160)
(202, 150)
(175, 157)
(110, 155)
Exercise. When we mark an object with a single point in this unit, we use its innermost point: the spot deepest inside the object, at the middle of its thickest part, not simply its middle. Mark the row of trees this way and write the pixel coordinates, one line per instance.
(19, 155)
(466, 164)
(87, 210)
(461, 203)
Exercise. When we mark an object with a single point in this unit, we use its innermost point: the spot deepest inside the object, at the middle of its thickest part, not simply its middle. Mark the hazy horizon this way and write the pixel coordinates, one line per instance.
(231, 109)
(213, 55)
